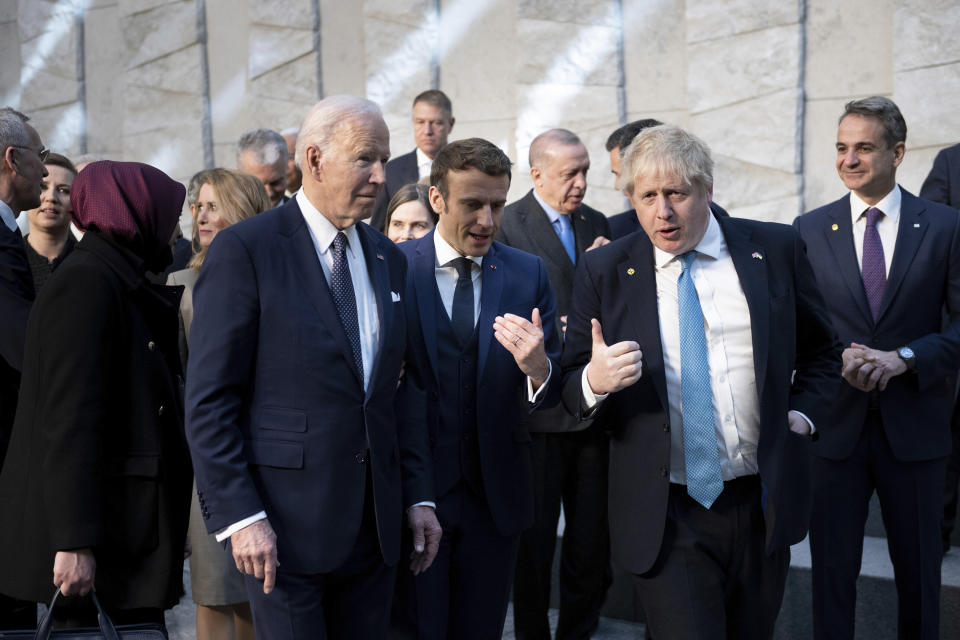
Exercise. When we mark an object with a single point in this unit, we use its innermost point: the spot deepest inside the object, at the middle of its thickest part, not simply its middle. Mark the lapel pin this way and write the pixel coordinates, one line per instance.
(631, 271)
(379, 256)
(756, 255)
(835, 226)
(916, 225)
(493, 266)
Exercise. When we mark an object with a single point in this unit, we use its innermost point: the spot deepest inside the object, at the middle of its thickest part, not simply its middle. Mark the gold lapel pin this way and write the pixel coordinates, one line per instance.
(835, 226)
(631, 271)
(756, 255)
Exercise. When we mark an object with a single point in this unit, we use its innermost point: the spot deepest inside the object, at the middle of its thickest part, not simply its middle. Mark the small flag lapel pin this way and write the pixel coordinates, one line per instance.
(835, 226)
(493, 266)
(631, 271)
(916, 225)
(756, 255)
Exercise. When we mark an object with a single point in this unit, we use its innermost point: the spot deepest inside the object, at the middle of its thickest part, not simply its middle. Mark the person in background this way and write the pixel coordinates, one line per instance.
(50, 241)
(224, 198)
(409, 214)
(263, 154)
(294, 177)
(95, 491)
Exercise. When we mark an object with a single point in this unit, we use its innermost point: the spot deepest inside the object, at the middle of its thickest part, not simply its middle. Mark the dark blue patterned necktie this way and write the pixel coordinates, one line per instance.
(873, 269)
(461, 317)
(341, 285)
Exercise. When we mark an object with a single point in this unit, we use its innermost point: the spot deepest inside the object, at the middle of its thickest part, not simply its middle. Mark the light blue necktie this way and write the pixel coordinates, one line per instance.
(566, 237)
(704, 480)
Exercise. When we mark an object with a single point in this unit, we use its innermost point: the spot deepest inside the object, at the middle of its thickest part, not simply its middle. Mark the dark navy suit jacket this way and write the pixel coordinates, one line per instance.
(16, 298)
(277, 417)
(943, 183)
(616, 284)
(399, 171)
(513, 282)
(924, 280)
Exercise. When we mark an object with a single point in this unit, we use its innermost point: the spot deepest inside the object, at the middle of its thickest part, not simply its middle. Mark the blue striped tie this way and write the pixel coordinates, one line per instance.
(704, 480)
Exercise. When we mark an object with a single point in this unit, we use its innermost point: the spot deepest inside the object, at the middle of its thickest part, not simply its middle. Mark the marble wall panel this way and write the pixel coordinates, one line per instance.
(47, 89)
(295, 14)
(782, 210)
(342, 44)
(272, 47)
(155, 32)
(708, 19)
(928, 98)
(915, 167)
(742, 67)
(132, 7)
(738, 184)
(848, 55)
(593, 12)
(925, 33)
(295, 81)
(103, 65)
(177, 72)
(821, 182)
(9, 11)
(10, 70)
(58, 126)
(655, 56)
(553, 53)
(228, 52)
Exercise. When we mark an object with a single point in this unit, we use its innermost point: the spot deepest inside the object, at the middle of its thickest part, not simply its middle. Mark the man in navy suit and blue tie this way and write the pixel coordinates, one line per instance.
(891, 264)
(482, 352)
(296, 349)
(703, 343)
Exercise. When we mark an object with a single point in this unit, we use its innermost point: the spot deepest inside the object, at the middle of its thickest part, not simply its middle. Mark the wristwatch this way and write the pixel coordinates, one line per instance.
(909, 358)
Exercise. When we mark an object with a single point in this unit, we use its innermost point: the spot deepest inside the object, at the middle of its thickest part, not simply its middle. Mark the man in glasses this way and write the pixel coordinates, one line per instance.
(21, 176)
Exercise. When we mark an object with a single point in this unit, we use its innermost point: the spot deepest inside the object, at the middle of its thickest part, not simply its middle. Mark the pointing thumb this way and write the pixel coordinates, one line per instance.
(535, 318)
(597, 333)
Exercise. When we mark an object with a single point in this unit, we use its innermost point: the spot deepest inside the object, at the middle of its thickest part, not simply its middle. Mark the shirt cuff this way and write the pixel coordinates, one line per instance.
(813, 429)
(425, 503)
(223, 534)
(533, 397)
(590, 399)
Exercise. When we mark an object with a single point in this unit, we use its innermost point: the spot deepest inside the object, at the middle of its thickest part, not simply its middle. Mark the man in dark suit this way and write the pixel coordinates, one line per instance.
(21, 177)
(552, 222)
(263, 154)
(482, 353)
(891, 263)
(297, 343)
(432, 122)
(704, 343)
(943, 185)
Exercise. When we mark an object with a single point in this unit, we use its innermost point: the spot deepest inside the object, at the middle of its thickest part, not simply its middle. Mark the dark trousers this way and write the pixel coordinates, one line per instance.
(350, 603)
(950, 490)
(911, 502)
(569, 468)
(465, 592)
(713, 577)
(18, 614)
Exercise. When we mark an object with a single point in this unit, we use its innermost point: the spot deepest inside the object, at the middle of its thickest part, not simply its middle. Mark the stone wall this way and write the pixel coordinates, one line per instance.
(175, 82)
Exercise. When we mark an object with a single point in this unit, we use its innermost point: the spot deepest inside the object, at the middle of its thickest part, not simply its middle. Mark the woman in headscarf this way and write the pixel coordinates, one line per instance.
(224, 197)
(95, 488)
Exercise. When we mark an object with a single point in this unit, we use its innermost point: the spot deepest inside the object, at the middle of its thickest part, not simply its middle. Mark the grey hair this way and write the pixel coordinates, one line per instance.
(540, 146)
(268, 145)
(668, 150)
(883, 109)
(13, 130)
(320, 125)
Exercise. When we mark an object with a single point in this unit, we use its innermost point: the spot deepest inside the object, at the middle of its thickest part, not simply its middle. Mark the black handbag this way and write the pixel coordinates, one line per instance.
(106, 631)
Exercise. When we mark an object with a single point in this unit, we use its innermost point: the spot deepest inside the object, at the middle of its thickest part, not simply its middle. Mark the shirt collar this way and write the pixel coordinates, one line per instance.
(446, 254)
(552, 213)
(710, 245)
(423, 160)
(890, 205)
(8, 216)
(322, 229)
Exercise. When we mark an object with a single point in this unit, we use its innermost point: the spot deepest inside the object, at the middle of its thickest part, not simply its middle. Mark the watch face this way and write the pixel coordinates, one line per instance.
(906, 353)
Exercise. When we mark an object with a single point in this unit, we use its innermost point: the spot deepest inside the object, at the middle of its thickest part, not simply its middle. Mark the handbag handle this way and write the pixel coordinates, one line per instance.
(106, 624)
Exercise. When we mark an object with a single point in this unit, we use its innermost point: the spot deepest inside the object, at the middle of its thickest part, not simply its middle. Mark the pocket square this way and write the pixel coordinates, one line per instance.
(395, 296)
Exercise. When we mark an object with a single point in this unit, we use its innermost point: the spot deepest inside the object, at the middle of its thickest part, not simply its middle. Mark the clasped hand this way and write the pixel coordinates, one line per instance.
(868, 369)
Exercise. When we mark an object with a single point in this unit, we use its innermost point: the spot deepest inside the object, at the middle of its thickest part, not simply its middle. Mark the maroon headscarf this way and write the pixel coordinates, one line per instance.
(131, 202)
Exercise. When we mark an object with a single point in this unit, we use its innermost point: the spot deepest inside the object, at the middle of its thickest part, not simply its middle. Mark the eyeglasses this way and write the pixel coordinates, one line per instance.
(43, 153)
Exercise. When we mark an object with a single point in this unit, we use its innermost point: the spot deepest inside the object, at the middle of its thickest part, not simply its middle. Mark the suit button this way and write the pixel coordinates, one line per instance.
(161, 410)
(663, 472)
(360, 458)
(666, 427)
(152, 346)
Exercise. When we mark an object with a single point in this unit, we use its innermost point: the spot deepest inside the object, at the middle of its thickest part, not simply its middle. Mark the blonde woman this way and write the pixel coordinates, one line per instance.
(224, 197)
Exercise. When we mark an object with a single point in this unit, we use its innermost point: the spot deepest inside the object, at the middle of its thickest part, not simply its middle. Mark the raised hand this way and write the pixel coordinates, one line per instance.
(614, 367)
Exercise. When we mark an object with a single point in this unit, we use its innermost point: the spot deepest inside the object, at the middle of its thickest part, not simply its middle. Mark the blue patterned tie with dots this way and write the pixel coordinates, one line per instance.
(873, 269)
(704, 479)
(341, 285)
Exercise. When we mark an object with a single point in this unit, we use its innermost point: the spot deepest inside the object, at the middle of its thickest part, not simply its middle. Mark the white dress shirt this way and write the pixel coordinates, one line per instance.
(8, 216)
(424, 164)
(322, 232)
(726, 320)
(887, 225)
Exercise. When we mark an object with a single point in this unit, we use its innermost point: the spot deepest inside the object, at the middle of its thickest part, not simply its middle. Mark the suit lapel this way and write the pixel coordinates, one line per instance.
(751, 266)
(380, 282)
(490, 293)
(541, 231)
(306, 266)
(638, 282)
(425, 284)
(839, 235)
(910, 234)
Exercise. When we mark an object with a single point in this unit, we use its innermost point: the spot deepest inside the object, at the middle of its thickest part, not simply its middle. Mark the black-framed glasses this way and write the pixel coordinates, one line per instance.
(43, 153)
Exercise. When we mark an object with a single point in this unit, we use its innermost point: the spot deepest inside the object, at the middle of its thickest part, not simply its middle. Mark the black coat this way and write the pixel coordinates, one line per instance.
(16, 298)
(97, 455)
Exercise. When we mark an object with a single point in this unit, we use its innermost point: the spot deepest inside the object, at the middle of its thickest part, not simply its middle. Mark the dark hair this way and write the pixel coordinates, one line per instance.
(884, 110)
(622, 137)
(409, 193)
(58, 160)
(471, 153)
(437, 98)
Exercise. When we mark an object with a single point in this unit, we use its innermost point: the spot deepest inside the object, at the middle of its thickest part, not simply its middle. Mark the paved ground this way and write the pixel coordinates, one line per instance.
(180, 622)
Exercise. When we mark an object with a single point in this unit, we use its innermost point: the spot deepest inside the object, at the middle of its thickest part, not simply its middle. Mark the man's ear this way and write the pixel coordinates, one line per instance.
(9, 164)
(436, 201)
(312, 161)
(535, 174)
